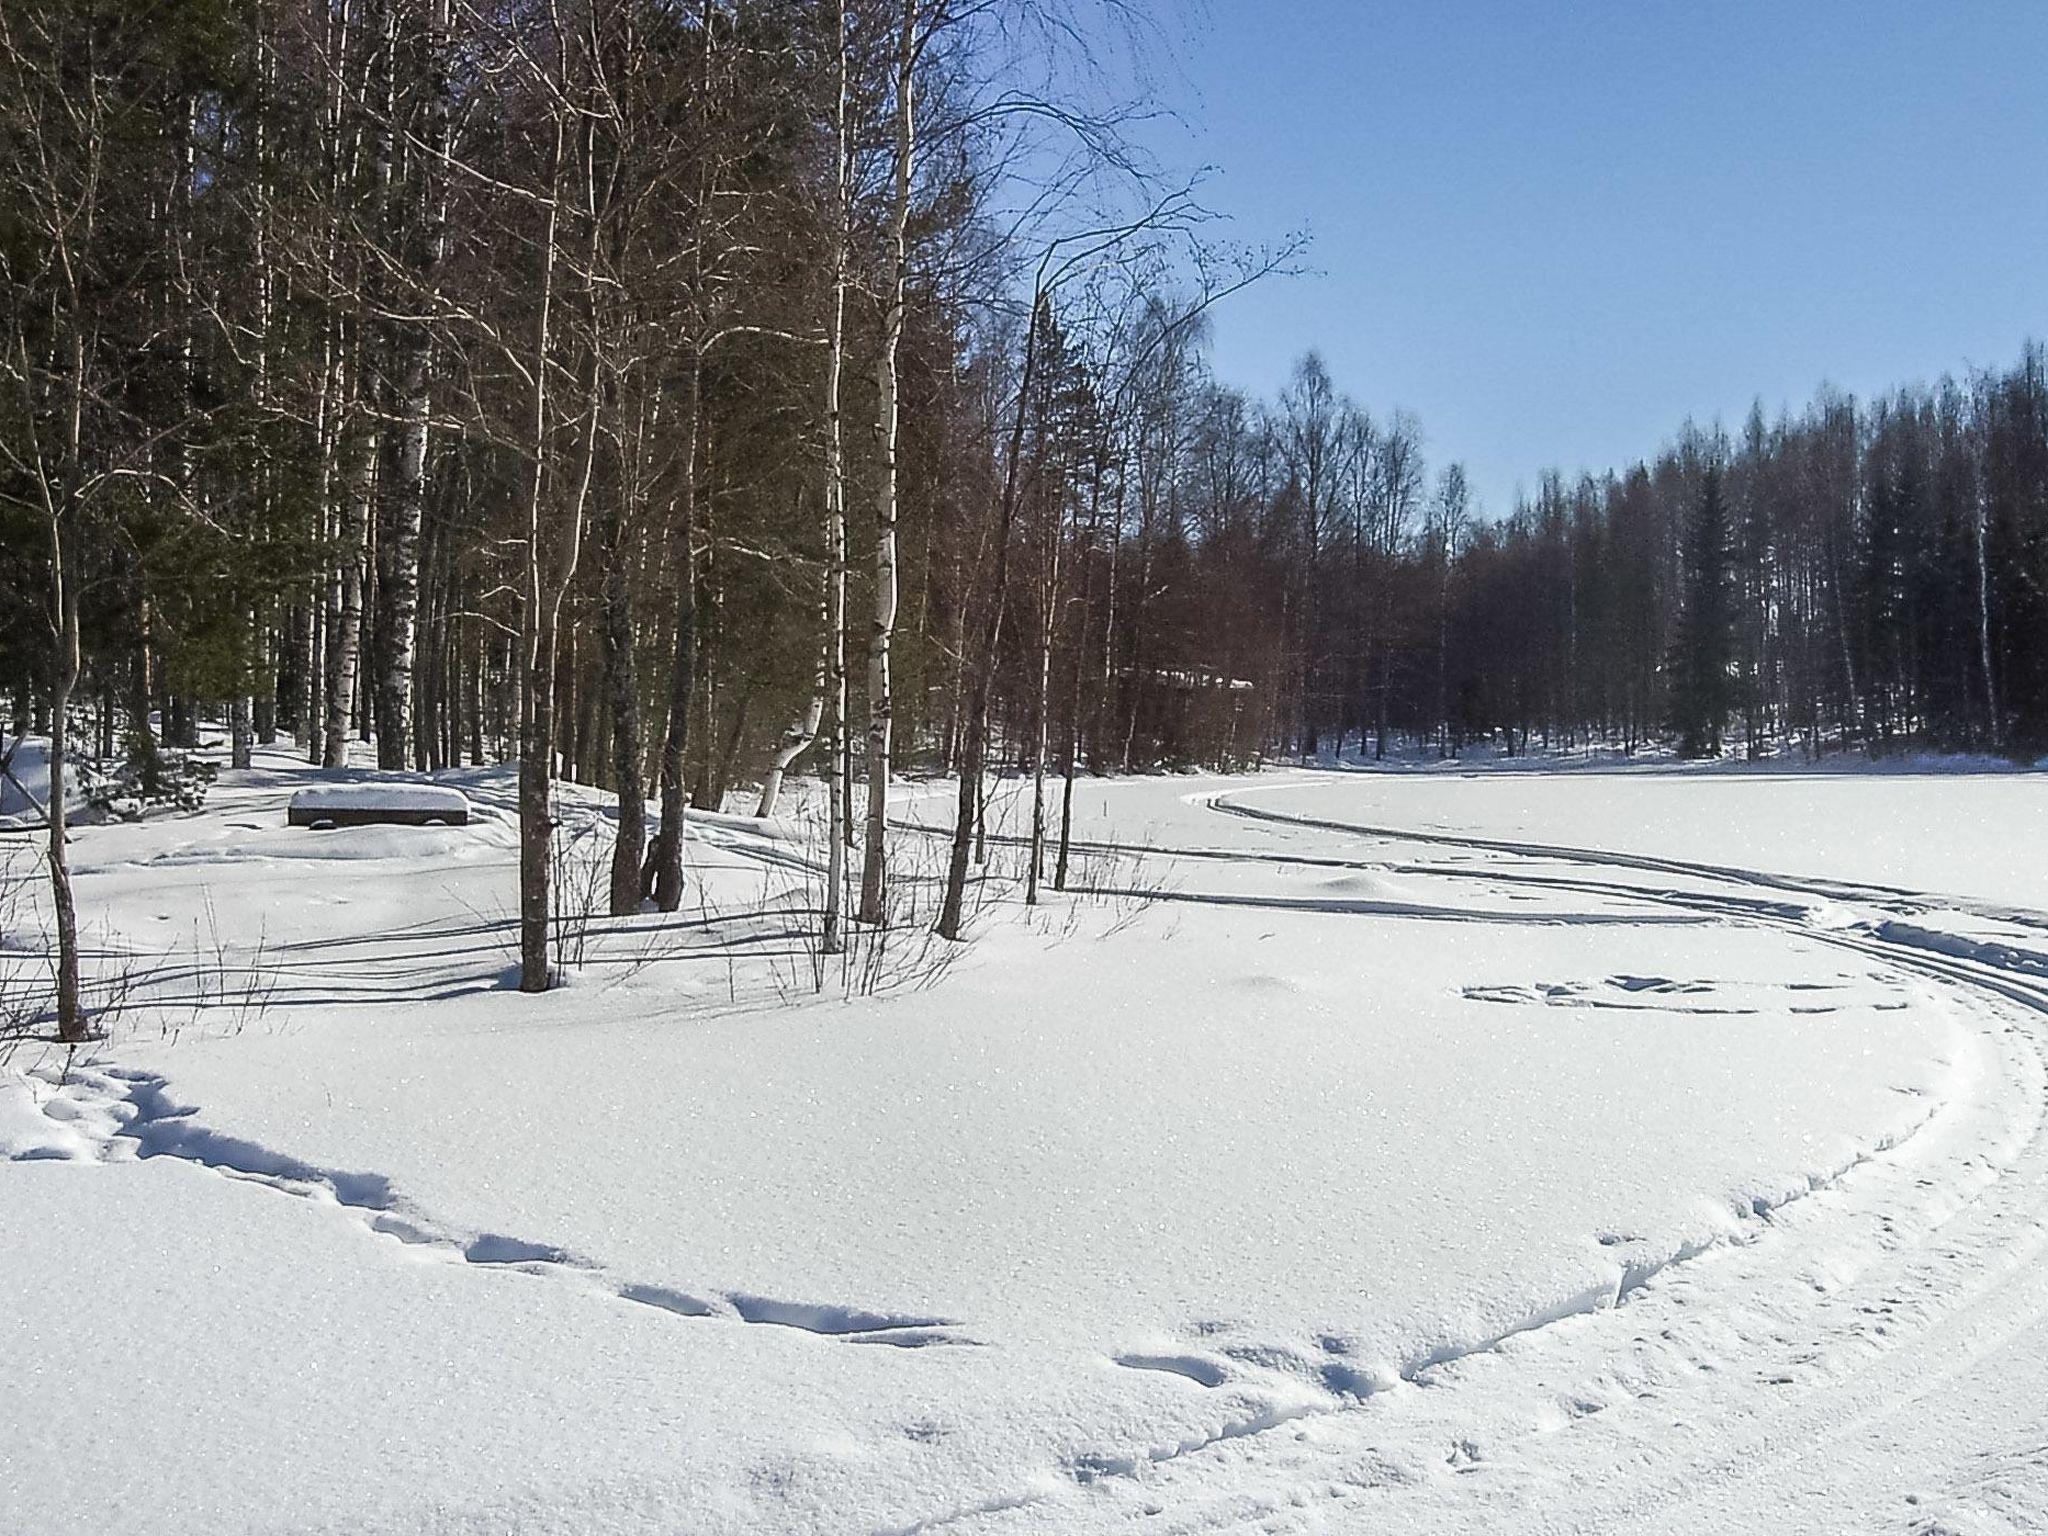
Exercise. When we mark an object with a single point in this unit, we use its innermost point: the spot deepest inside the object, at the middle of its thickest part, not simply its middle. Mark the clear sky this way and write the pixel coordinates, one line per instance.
(1557, 230)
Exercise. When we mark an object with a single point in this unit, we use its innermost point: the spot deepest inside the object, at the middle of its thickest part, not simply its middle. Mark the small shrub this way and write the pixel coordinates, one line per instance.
(145, 780)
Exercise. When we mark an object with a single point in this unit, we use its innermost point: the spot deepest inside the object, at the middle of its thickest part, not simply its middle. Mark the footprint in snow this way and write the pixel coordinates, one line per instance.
(1196, 1368)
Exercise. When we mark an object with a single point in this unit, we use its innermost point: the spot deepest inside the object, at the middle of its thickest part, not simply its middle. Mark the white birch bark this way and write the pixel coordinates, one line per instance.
(798, 739)
(881, 704)
(345, 636)
(832, 939)
(1983, 540)
(400, 566)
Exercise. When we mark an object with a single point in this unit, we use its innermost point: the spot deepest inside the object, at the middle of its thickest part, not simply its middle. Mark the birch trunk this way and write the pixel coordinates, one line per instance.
(345, 647)
(310, 665)
(344, 637)
(71, 1020)
(881, 704)
(323, 602)
(831, 937)
(798, 739)
(241, 731)
(249, 717)
(1982, 541)
(399, 592)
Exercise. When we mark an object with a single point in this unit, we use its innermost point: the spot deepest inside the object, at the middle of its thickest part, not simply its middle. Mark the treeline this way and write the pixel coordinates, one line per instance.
(1287, 577)
(675, 395)
(1871, 576)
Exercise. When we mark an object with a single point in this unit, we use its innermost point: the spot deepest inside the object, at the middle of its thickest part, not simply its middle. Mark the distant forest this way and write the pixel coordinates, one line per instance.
(674, 395)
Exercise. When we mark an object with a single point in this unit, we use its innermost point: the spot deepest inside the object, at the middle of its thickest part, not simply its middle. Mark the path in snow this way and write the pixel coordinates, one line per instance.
(1868, 1370)
(1342, 1187)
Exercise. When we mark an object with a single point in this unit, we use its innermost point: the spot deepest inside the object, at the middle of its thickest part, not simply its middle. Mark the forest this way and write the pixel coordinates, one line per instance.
(673, 397)
(761, 777)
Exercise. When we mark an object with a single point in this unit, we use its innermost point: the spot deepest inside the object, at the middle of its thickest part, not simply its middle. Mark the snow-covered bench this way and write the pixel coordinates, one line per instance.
(374, 805)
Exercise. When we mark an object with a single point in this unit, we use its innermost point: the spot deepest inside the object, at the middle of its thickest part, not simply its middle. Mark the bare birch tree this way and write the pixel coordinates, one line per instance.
(909, 45)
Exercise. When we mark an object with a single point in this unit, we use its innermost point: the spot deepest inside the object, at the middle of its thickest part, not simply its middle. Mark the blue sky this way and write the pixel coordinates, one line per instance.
(1555, 231)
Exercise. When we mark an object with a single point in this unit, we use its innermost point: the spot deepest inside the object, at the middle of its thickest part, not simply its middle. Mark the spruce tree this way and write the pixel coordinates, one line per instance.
(1700, 685)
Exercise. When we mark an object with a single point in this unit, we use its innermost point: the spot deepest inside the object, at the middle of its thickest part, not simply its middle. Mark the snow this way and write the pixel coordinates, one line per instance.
(369, 1387)
(382, 795)
(1916, 825)
(1289, 1174)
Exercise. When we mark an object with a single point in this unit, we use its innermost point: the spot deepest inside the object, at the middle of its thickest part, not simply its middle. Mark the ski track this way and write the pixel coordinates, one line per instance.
(121, 1114)
(1935, 1304)
(1952, 1279)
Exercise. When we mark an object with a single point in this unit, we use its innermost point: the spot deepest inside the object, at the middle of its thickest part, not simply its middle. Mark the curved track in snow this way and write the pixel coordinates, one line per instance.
(1744, 1289)
(1879, 1362)
(1875, 931)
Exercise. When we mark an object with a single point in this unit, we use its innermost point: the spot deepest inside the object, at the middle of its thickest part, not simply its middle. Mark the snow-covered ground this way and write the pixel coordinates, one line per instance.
(1416, 1151)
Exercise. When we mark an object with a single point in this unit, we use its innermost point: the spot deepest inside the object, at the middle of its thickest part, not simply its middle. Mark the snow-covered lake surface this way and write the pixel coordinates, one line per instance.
(1646, 1150)
(1980, 835)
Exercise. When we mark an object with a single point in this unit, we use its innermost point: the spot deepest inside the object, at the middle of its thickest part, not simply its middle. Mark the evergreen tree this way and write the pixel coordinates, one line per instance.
(1700, 689)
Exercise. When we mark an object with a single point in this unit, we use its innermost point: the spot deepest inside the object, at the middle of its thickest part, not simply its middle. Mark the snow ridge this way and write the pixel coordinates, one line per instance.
(114, 1114)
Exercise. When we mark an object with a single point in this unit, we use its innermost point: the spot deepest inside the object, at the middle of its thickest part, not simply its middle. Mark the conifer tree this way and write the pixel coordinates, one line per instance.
(1700, 691)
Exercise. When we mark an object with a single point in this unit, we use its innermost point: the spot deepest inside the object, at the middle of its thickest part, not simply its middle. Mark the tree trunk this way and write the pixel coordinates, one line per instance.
(1048, 619)
(312, 665)
(798, 738)
(622, 688)
(881, 703)
(720, 775)
(71, 1020)
(1982, 539)
(831, 939)
(242, 732)
(975, 754)
(539, 616)
(398, 590)
(1074, 702)
(663, 877)
(344, 638)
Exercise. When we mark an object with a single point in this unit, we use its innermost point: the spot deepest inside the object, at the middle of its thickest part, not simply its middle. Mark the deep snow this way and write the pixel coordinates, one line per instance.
(1330, 1180)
